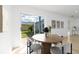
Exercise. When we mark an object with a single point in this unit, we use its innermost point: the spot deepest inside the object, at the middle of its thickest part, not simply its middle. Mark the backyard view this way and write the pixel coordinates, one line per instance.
(31, 25)
(26, 30)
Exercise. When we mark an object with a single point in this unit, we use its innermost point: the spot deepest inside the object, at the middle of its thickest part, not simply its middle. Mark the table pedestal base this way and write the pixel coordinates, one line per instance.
(45, 48)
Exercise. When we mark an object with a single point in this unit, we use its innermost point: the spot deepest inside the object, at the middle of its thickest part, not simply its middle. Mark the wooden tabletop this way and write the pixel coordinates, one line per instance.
(51, 38)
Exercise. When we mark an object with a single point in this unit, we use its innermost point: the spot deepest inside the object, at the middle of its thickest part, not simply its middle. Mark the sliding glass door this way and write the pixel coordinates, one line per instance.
(31, 25)
(39, 25)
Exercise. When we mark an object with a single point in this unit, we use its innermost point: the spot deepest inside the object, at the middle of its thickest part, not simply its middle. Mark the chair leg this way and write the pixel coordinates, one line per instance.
(62, 50)
(62, 47)
(71, 48)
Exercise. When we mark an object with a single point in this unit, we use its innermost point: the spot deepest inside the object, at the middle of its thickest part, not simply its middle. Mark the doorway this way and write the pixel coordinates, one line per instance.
(31, 25)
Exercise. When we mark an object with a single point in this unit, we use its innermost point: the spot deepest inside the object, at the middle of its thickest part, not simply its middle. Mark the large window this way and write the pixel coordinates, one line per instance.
(31, 25)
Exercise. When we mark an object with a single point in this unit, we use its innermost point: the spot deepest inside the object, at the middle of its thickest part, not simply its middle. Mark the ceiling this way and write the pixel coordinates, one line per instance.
(67, 10)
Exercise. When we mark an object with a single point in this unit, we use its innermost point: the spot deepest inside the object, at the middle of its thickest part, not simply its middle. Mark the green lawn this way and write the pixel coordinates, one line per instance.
(26, 30)
(25, 33)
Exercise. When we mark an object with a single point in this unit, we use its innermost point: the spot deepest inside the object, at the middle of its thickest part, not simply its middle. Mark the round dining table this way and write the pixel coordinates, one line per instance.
(47, 41)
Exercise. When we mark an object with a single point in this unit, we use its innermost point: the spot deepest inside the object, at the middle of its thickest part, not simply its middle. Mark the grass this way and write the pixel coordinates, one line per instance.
(26, 33)
(26, 30)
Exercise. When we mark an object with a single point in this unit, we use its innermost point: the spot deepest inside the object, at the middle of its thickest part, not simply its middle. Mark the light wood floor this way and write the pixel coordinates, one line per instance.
(75, 44)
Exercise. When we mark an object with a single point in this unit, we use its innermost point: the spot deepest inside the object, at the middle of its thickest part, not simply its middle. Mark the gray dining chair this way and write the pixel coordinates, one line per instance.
(57, 48)
(62, 48)
(33, 46)
(67, 48)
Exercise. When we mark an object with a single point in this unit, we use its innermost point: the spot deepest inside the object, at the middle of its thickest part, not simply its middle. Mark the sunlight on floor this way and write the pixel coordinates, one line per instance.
(22, 49)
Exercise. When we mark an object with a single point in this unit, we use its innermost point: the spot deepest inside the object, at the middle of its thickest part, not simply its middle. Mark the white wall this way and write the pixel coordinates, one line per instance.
(13, 21)
(5, 46)
(74, 22)
(60, 31)
(11, 32)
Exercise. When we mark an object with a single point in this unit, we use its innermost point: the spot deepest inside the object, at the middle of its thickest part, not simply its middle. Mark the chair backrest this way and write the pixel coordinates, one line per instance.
(29, 43)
